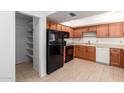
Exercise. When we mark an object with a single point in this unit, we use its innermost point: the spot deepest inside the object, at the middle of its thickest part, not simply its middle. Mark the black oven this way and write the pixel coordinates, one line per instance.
(69, 53)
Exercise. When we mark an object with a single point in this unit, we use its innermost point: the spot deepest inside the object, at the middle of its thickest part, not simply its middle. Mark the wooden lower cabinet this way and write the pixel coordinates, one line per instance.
(116, 57)
(77, 51)
(85, 52)
(122, 58)
(91, 53)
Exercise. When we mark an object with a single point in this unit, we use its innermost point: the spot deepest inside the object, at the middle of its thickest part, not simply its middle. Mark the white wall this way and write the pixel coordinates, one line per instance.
(116, 41)
(7, 46)
(42, 45)
(21, 40)
(36, 44)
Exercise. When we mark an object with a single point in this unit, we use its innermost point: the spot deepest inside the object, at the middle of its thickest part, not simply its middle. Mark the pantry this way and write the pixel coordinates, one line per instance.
(24, 44)
(24, 38)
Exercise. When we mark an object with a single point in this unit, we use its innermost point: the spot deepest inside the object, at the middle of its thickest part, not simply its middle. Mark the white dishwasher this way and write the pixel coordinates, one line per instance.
(103, 55)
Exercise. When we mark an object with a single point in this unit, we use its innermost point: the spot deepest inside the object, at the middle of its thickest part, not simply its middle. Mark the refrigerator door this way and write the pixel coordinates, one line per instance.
(55, 49)
(55, 58)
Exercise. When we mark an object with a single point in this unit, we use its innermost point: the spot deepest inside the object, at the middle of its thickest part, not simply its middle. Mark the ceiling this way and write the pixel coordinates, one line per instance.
(63, 16)
(26, 17)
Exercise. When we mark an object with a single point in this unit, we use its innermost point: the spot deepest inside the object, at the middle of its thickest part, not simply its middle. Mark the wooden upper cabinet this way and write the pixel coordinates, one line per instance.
(59, 27)
(123, 30)
(102, 31)
(67, 29)
(78, 33)
(84, 29)
(48, 24)
(71, 32)
(115, 30)
(51, 25)
(64, 28)
(92, 29)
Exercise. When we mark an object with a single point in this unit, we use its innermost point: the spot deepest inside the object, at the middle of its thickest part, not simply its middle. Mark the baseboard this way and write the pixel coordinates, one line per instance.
(23, 61)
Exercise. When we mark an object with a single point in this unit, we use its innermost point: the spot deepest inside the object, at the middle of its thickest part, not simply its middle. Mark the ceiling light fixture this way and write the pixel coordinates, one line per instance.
(72, 14)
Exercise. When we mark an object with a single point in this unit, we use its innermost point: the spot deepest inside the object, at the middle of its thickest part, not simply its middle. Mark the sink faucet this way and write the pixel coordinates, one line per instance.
(89, 42)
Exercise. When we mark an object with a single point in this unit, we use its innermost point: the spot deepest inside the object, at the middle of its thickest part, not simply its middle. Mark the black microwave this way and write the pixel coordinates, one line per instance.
(66, 34)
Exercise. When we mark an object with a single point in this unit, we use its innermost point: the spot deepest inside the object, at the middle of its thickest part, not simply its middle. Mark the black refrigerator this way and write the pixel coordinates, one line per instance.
(55, 50)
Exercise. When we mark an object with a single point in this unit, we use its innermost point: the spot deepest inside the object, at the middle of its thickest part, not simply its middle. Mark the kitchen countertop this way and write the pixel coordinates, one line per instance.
(99, 45)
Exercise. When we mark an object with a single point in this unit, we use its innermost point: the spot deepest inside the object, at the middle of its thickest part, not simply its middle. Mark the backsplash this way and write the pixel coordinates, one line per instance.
(119, 41)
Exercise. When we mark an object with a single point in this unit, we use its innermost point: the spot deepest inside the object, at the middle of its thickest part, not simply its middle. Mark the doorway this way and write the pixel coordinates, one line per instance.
(25, 64)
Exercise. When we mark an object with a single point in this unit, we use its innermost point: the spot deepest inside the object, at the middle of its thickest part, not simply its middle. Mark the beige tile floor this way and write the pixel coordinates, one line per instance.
(74, 71)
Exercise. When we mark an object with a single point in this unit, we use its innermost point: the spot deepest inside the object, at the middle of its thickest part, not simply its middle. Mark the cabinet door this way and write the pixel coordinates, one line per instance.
(70, 32)
(77, 51)
(123, 30)
(59, 27)
(115, 56)
(115, 30)
(84, 29)
(53, 26)
(92, 29)
(122, 59)
(64, 28)
(78, 33)
(102, 31)
(91, 53)
(83, 53)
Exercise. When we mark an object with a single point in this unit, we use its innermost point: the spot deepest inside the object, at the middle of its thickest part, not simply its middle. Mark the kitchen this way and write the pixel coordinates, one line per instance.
(81, 46)
(98, 43)
(51, 46)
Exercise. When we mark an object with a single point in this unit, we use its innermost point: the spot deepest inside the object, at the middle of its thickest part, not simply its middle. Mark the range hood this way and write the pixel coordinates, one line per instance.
(89, 34)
